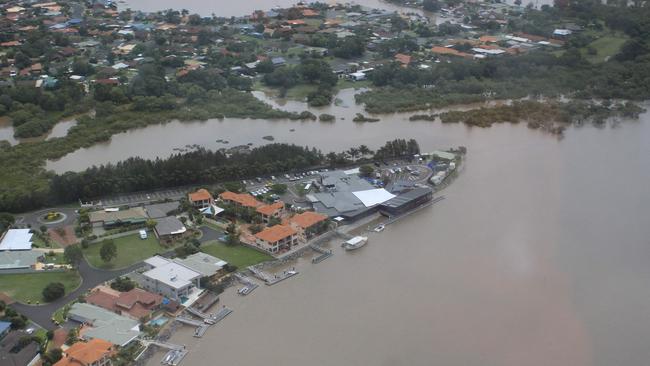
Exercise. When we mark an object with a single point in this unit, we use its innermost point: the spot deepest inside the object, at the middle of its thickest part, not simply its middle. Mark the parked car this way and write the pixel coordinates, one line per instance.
(143, 234)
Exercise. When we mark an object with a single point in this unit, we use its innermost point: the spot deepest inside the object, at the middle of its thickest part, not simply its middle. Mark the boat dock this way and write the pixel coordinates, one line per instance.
(174, 357)
(324, 253)
(189, 321)
(282, 277)
(249, 285)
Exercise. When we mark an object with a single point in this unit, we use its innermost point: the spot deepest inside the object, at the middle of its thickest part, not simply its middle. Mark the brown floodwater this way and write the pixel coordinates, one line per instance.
(538, 256)
(161, 140)
(59, 130)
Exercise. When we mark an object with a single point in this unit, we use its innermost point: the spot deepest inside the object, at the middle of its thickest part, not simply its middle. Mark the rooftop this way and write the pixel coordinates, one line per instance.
(106, 325)
(307, 219)
(275, 233)
(16, 239)
(169, 225)
(18, 259)
(202, 263)
(86, 353)
(269, 210)
(200, 195)
(243, 199)
(108, 215)
(173, 274)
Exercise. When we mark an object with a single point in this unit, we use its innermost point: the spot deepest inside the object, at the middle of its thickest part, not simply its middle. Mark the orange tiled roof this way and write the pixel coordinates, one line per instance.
(309, 13)
(307, 219)
(488, 39)
(275, 233)
(200, 195)
(449, 51)
(269, 210)
(82, 353)
(403, 59)
(243, 199)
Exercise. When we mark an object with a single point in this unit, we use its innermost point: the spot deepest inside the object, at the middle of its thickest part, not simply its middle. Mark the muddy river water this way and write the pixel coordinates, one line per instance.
(538, 256)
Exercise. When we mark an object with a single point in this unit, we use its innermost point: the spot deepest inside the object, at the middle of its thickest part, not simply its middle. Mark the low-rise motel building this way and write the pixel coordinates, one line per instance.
(306, 223)
(270, 211)
(201, 198)
(277, 239)
(240, 199)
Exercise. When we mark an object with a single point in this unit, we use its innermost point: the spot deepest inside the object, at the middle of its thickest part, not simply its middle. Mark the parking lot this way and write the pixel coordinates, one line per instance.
(144, 197)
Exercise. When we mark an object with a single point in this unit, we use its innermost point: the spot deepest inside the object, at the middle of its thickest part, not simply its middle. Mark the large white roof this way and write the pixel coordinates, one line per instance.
(17, 239)
(173, 275)
(373, 197)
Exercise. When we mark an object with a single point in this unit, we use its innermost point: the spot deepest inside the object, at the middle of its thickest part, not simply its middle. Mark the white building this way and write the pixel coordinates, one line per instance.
(16, 239)
(170, 279)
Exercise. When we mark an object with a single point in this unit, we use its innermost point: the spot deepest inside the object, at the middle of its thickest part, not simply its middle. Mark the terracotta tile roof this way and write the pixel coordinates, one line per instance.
(200, 195)
(449, 51)
(275, 233)
(138, 296)
(309, 13)
(136, 302)
(403, 59)
(488, 39)
(307, 219)
(82, 353)
(243, 199)
(271, 209)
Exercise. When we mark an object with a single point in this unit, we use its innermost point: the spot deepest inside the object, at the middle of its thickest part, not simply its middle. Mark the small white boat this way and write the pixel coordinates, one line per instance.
(379, 228)
(355, 243)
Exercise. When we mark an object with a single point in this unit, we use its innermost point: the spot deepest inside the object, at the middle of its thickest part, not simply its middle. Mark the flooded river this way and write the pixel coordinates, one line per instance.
(538, 256)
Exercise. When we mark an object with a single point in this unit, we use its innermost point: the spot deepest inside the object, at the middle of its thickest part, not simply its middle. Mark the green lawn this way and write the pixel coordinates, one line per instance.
(606, 46)
(28, 287)
(130, 249)
(57, 258)
(240, 255)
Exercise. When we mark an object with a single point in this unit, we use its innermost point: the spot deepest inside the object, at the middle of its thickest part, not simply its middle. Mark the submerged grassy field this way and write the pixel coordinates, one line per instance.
(28, 287)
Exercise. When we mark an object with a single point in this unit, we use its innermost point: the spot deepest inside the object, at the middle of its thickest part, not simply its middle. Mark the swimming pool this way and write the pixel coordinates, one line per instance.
(159, 321)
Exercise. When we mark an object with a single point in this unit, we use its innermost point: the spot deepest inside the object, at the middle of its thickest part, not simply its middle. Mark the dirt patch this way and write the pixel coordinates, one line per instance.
(63, 237)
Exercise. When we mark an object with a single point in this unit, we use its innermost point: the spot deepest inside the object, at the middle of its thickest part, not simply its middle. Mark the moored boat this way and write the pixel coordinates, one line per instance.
(355, 243)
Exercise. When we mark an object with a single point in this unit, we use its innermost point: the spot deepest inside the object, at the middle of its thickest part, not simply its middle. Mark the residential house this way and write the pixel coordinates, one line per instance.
(169, 279)
(135, 304)
(202, 263)
(96, 352)
(269, 211)
(169, 227)
(276, 239)
(201, 198)
(306, 223)
(104, 324)
(13, 352)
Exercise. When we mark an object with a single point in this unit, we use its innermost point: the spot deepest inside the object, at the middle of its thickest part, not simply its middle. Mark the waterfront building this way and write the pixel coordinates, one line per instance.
(96, 352)
(170, 279)
(269, 211)
(135, 304)
(276, 239)
(406, 201)
(104, 324)
(306, 223)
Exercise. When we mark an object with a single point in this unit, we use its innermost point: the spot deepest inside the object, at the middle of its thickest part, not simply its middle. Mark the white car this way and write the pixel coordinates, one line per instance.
(143, 234)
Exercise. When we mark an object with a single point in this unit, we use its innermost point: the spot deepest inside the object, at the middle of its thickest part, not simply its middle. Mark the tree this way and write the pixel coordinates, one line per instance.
(366, 170)
(52, 356)
(279, 188)
(73, 254)
(108, 251)
(122, 284)
(53, 291)
(232, 234)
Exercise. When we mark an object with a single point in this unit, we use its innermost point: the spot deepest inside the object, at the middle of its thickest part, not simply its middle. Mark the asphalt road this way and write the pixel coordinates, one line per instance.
(35, 218)
(91, 277)
(209, 234)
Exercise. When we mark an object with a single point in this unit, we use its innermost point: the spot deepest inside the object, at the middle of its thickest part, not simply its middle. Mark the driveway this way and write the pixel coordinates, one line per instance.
(91, 277)
(209, 234)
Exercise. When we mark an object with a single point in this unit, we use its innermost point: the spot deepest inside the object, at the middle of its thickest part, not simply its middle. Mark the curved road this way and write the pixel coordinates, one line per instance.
(91, 277)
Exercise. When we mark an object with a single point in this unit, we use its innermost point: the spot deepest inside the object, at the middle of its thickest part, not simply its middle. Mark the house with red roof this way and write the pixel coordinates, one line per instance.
(276, 239)
(201, 198)
(96, 352)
